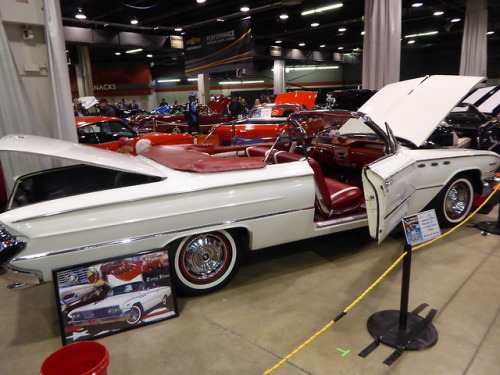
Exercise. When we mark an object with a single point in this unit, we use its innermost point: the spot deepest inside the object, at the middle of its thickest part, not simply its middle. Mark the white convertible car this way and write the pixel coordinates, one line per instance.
(208, 204)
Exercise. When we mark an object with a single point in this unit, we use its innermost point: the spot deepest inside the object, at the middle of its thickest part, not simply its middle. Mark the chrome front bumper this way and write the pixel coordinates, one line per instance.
(19, 279)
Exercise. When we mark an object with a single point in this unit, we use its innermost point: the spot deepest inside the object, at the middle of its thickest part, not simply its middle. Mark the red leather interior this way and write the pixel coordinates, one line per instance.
(193, 158)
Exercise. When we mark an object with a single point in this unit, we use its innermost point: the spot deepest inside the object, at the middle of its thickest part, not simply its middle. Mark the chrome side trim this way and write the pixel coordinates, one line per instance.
(162, 234)
(342, 220)
(128, 201)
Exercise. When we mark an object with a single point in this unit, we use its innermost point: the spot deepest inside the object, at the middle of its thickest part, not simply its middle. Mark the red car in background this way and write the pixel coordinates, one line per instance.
(264, 122)
(104, 132)
(210, 114)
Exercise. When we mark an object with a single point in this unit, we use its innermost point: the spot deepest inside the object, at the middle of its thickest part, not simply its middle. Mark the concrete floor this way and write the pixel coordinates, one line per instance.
(285, 295)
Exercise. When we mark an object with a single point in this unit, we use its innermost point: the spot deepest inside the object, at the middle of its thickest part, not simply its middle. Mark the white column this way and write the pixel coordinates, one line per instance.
(203, 88)
(84, 72)
(62, 105)
(474, 42)
(279, 77)
(382, 43)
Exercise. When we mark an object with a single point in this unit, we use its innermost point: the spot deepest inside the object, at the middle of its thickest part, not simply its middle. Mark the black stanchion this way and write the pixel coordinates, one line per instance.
(491, 226)
(401, 329)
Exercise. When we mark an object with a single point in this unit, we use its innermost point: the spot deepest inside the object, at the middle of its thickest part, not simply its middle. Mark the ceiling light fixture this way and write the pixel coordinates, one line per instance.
(411, 41)
(322, 9)
(149, 55)
(239, 82)
(118, 53)
(315, 24)
(134, 50)
(283, 16)
(416, 5)
(134, 21)
(178, 29)
(277, 41)
(342, 30)
(341, 48)
(200, 1)
(363, 33)
(302, 44)
(244, 9)
(322, 46)
(296, 68)
(168, 80)
(456, 20)
(438, 13)
(421, 34)
(80, 14)
(490, 33)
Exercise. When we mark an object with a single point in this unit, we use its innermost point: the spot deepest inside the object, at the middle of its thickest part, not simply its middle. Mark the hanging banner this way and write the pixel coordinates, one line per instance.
(222, 49)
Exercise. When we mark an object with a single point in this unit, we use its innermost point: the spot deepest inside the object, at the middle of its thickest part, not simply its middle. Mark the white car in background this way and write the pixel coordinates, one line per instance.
(208, 205)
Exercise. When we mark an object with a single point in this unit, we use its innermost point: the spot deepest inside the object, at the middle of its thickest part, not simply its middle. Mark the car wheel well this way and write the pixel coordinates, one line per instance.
(240, 232)
(474, 176)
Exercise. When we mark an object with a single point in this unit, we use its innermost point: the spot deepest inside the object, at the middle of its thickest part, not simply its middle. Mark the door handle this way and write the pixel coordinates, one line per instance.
(388, 182)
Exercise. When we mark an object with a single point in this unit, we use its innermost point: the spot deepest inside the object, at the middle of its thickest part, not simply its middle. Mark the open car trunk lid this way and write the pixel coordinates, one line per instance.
(414, 108)
(75, 153)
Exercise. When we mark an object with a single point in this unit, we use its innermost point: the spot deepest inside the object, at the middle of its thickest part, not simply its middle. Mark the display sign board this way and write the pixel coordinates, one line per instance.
(421, 227)
(107, 297)
(220, 49)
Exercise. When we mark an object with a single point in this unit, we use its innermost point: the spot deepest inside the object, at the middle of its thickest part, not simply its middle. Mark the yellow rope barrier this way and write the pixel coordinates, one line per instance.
(373, 285)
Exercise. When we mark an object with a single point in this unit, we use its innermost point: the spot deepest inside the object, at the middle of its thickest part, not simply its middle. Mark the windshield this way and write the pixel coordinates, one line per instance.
(272, 111)
(126, 288)
(103, 132)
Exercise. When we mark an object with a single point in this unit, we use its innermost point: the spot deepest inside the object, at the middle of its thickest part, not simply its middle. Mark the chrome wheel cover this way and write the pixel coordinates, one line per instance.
(457, 200)
(135, 315)
(205, 257)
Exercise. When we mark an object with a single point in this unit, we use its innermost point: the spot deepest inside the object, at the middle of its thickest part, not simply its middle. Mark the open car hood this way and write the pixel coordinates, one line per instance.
(297, 97)
(414, 108)
(88, 101)
(218, 104)
(75, 153)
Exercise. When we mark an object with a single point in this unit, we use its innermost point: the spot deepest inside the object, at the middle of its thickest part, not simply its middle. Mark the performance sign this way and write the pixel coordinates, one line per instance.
(421, 227)
(223, 49)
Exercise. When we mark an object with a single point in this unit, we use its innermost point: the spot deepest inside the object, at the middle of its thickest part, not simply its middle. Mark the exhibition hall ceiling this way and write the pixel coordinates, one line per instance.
(329, 25)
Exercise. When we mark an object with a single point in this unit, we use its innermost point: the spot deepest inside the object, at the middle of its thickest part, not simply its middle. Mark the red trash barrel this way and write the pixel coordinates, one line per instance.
(79, 358)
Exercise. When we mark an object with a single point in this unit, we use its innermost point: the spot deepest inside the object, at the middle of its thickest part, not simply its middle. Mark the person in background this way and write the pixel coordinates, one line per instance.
(135, 105)
(79, 110)
(192, 115)
(244, 104)
(105, 109)
(235, 108)
(163, 102)
(126, 146)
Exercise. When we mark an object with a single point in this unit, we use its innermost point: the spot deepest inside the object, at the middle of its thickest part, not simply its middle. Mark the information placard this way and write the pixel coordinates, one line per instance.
(421, 227)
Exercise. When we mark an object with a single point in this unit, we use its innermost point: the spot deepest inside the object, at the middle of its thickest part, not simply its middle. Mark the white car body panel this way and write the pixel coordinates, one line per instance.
(403, 183)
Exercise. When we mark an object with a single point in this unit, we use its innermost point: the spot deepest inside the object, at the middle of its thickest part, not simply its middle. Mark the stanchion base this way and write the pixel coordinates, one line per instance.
(420, 333)
(489, 226)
